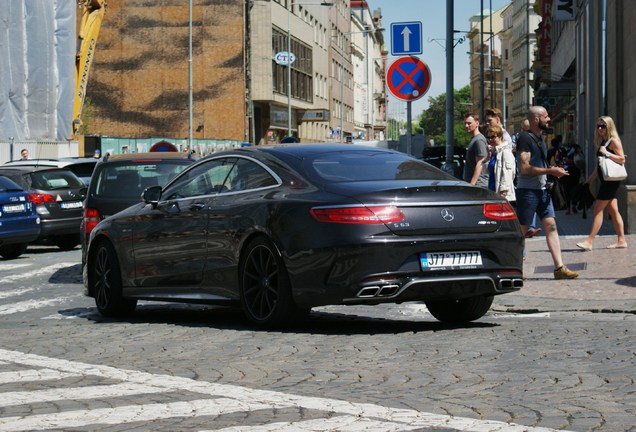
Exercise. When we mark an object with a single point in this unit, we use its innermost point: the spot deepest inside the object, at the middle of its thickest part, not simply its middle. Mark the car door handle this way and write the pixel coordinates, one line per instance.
(197, 206)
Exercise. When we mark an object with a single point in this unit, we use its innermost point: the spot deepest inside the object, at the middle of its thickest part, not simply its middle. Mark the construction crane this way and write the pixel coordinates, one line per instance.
(92, 16)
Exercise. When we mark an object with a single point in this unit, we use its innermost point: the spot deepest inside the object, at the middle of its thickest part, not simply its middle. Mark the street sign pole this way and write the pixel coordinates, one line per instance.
(409, 128)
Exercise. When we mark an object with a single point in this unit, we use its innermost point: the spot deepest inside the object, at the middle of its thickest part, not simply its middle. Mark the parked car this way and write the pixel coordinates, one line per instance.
(81, 166)
(19, 223)
(436, 156)
(119, 180)
(58, 196)
(282, 229)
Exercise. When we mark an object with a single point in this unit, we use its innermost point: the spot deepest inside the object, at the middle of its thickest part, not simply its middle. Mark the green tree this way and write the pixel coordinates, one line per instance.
(433, 119)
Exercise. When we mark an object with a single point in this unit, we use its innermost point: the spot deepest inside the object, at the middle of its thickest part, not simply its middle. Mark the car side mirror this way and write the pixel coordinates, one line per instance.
(151, 195)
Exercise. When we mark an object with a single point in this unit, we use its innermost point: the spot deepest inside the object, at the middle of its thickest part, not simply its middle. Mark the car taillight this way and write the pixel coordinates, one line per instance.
(38, 199)
(358, 215)
(499, 211)
(91, 219)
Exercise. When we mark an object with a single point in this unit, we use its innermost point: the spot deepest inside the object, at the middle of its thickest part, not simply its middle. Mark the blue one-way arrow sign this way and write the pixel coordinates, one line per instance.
(406, 38)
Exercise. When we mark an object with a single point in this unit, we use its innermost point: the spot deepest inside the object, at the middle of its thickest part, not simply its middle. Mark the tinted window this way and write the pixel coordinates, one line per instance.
(123, 180)
(204, 179)
(248, 175)
(7, 185)
(370, 166)
(55, 179)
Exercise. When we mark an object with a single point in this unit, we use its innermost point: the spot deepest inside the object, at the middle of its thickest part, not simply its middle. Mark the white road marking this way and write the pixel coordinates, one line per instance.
(12, 266)
(32, 375)
(225, 398)
(340, 424)
(127, 414)
(15, 293)
(32, 304)
(37, 272)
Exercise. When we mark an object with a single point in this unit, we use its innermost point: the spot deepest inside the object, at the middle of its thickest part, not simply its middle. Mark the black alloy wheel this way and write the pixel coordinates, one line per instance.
(460, 311)
(106, 283)
(265, 289)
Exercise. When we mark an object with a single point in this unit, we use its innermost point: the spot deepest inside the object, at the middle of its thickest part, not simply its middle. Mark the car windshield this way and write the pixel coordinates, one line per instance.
(128, 180)
(55, 179)
(371, 166)
(7, 185)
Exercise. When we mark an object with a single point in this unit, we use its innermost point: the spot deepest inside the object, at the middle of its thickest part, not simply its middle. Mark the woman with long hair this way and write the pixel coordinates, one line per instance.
(608, 144)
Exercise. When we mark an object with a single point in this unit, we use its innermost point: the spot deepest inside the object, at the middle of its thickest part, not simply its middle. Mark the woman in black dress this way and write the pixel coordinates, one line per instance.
(608, 144)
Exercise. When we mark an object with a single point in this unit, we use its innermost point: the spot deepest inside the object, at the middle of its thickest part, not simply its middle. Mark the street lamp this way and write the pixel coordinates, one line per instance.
(290, 60)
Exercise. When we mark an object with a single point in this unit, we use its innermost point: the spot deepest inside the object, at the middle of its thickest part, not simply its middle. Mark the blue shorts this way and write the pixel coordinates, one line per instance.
(531, 202)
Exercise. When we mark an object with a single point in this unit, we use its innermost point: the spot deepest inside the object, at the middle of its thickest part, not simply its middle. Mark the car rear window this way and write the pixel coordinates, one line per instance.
(128, 180)
(7, 185)
(371, 166)
(55, 179)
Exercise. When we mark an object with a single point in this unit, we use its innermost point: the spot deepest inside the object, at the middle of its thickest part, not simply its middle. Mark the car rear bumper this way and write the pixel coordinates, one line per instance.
(57, 227)
(390, 272)
(24, 236)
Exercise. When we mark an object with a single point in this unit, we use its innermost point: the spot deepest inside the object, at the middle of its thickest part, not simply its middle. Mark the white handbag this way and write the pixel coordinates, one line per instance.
(611, 170)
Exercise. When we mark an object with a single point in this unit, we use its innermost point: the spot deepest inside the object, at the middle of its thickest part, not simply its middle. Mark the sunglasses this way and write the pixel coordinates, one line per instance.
(492, 137)
(601, 126)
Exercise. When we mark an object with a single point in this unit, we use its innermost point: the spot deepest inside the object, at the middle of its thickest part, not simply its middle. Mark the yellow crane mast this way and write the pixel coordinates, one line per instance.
(92, 16)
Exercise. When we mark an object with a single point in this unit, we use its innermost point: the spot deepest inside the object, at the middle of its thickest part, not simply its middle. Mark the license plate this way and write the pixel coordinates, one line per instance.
(450, 260)
(71, 204)
(12, 208)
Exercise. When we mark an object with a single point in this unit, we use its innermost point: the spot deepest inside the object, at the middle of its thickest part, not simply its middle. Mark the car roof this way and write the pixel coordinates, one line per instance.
(17, 169)
(146, 156)
(60, 163)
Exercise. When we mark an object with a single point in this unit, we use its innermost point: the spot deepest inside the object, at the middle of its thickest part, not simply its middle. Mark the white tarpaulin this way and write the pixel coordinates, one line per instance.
(37, 69)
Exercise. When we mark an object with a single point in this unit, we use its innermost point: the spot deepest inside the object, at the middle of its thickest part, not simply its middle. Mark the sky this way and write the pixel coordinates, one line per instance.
(432, 15)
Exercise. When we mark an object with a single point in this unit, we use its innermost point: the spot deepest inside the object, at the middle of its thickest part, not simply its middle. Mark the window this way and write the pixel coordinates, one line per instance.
(301, 69)
(205, 179)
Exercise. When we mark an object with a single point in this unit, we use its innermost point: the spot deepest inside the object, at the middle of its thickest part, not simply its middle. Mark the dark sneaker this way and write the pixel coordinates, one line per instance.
(533, 232)
(565, 273)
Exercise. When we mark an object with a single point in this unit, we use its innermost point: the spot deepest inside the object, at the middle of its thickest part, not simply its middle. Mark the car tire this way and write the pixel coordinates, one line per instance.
(265, 290)
(12, 251)
(105, 283)
(460, 311)
(66, 243)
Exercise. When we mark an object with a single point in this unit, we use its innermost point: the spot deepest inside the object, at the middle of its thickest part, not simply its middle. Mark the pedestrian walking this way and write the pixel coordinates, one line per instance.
(532, 194)
(476, 154)
(608, 144)
(501, 166)
(493, 118)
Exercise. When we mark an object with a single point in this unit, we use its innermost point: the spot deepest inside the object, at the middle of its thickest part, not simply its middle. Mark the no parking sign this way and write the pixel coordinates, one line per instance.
(408, 78)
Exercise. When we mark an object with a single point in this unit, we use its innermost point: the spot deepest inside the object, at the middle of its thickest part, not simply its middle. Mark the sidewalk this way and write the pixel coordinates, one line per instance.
(607, 277)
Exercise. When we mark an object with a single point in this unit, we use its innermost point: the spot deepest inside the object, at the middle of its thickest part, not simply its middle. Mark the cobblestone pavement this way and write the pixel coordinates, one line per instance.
(607, 277)
(552, 357)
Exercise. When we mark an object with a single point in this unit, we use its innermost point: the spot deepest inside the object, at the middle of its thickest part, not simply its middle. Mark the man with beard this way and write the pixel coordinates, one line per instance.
(533, 196)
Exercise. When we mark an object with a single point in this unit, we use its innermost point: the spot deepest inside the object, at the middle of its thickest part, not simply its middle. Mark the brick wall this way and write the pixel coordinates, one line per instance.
(139, 80)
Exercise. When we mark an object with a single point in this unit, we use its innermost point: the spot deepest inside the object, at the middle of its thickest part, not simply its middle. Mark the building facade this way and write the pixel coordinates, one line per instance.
(261, 71)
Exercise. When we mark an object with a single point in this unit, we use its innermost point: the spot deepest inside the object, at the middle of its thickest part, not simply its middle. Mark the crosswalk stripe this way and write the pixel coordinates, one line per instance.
(77, 393)
(40, 271)
(128, 414)
(339, 423)
(26, 305)
(33, 375)
(15, 293)
(223, 398)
